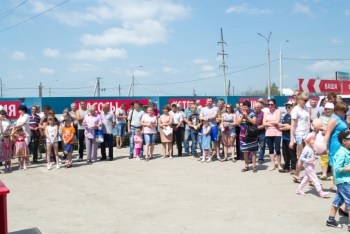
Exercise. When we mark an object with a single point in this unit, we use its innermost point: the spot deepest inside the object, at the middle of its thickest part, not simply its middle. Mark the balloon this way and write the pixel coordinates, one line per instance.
(320, 147)
(317, 124)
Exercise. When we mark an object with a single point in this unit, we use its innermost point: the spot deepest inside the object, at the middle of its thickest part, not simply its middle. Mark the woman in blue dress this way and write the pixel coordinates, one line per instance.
(336, 124)
(247, 145)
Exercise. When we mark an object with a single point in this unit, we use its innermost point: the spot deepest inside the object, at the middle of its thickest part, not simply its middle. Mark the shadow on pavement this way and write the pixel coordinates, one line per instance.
(27, 231)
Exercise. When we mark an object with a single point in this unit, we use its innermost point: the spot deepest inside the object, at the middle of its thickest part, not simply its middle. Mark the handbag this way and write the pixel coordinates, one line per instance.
(251, 132)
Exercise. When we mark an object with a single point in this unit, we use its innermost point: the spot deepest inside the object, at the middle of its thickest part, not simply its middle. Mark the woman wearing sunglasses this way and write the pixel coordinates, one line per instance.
(335, 125)
(273, 134)
(299, 128)
(228, 131)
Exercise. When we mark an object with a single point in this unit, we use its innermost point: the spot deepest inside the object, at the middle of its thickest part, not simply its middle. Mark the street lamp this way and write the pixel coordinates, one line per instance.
(132, 82)
(268, 63)
(281, 71)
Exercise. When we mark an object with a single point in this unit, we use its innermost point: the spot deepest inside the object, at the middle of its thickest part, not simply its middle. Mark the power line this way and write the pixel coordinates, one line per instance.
(180, 82)
(34, 16)
(143, 86)
(314, 59)
(12, 10)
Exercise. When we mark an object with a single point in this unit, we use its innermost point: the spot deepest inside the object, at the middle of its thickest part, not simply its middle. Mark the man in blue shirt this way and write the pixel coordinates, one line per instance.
(341, 169)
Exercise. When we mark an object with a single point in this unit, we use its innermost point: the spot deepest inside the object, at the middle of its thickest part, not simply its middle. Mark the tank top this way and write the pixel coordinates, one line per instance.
(51, 130)
(228, 118)
(80, 123)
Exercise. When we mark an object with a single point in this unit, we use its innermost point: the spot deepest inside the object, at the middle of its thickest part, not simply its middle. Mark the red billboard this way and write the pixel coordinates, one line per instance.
(11, 108)
(346, 87)
(319, 86)
(113, 104)
(186, 101)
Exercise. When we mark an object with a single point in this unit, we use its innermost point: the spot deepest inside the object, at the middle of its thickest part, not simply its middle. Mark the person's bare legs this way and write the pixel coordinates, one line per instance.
(170, 148)
(272, 158)
(246, 158)
(164, 149)
(232, 141)
(147, 151)
(151, 150)
(279, 161)
(253, 153)
(225, 143)
(48, 155)
(217, 149)
(55, 150)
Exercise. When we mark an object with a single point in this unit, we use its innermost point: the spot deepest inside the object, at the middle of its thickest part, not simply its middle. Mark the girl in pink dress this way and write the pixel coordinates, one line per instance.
(7, 152)
(138, 144)
(21, 148)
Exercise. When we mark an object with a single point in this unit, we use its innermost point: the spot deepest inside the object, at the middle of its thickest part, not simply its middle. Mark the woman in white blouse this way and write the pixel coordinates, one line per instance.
(177, 127)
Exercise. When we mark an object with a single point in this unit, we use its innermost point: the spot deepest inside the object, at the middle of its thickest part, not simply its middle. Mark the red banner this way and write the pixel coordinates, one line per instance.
(346, 87)
(11, 108)
(186, 101)
(319, 86)
(113, 104)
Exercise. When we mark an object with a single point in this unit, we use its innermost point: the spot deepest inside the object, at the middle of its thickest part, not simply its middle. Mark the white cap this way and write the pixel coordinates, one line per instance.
(329, 105)
(289, 103)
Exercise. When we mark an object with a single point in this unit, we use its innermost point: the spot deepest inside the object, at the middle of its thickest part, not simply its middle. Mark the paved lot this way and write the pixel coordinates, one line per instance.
(177, 195)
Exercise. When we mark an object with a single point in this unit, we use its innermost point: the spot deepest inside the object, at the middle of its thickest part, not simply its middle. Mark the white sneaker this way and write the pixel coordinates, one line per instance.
(138, 159)
(57, 166)
(24, 167)
(49, 167)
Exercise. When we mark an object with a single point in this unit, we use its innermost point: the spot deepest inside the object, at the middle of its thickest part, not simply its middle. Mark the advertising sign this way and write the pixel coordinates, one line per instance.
(11, 108)
(186, 101)
(341, 75)
(113, 104)
(319, 86)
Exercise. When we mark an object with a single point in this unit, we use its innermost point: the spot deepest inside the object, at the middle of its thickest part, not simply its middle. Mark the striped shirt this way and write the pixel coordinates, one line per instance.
(34, 123)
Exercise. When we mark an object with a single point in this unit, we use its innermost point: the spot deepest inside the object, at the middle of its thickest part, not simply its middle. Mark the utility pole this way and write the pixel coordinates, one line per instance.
(194, 92)
(228, 89)
(133, 82)
(98, 87)
(40, 90)
(49, 91)
(159, 93)
(233, 91)
(119, 90)
(223, 59)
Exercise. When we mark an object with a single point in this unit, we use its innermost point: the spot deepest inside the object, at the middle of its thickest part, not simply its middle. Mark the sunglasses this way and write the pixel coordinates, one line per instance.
(288, 107)
(327, 109)
(271, 104)
(305, 100)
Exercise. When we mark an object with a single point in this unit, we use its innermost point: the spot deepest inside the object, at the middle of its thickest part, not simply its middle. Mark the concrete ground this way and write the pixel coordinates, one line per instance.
(179, 195)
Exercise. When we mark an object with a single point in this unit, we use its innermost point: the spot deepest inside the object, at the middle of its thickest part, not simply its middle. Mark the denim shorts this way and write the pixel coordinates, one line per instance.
(55, 143)
(68, 148)
(231, 132)
(342, 195)
(150, 139)
(299, 138)
(121, 129)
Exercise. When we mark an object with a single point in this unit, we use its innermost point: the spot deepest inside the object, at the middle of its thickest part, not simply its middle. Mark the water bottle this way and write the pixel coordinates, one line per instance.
(99, 135)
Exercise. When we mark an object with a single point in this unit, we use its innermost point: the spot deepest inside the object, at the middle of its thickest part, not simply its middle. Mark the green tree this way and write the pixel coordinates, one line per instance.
(274, 90)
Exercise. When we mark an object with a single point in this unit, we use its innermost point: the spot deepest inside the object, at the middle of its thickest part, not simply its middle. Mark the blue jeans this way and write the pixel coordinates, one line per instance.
(187, 141)
(107, 140)
(194, 137)
(262, 144)
(131, 140)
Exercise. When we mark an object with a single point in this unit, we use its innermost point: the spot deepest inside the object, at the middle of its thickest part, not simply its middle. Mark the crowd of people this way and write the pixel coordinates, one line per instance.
(295, 137)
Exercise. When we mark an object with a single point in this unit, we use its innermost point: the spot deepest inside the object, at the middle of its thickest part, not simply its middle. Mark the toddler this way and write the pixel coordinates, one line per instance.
(7, 151)
(206, 141)
(138, 144)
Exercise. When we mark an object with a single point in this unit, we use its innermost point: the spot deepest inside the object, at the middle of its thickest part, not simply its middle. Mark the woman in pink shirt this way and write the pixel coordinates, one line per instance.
(149, 123)
(91, 122)
(273, 134)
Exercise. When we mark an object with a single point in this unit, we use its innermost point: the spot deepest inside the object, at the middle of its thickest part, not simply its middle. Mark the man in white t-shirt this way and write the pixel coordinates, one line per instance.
(314, 111)
(121, 125)
(210, 113)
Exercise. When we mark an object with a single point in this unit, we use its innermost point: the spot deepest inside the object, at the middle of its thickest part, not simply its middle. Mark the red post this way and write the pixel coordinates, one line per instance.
(3, 208)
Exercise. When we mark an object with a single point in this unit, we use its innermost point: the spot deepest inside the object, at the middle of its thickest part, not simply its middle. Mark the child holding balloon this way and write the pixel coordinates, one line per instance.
(308, 157)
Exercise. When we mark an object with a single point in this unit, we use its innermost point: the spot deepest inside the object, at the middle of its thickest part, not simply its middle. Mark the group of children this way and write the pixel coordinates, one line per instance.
(14, 144)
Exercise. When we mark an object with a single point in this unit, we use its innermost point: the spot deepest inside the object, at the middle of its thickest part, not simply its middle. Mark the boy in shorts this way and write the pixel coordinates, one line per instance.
(341, 168)
(68, 132)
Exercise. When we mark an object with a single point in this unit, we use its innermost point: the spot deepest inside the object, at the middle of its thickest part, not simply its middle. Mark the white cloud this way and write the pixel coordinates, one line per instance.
(335, 40)
(207, 67)
(347, 12)
(244, 8)
(18, 55)
(82, 67)
(48, 52)
(98, 54)
(206, 75)
(138, 73)
(200, 61)
(302, 9)
(39, 7)
(46, 70)
(329, 66)
(170, 70)
(142, 22)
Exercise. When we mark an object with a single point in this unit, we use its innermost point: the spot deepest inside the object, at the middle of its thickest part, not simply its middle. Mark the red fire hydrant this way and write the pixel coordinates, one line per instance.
(3, 208)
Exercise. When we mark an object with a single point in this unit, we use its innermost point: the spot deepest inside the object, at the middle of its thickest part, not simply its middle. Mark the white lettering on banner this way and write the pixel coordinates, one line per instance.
(185, 104)
(99, 106)
(331, 86)
(10, 110)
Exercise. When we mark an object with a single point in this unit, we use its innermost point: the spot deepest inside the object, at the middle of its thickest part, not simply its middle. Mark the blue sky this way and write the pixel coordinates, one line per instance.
(173, 41)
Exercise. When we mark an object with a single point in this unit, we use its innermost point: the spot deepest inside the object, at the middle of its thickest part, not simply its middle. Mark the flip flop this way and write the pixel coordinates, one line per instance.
(272, 169)
(296, 180)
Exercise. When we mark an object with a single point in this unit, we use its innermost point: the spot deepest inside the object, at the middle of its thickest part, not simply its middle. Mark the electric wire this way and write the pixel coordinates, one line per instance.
(13, 9)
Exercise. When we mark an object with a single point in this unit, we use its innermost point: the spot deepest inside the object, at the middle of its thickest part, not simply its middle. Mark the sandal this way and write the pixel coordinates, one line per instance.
(272, 169)
(255, 170)
(234, 160)
(219, 159)
(323, 177)
(296, 180)
(334, 190)
(245, 169)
